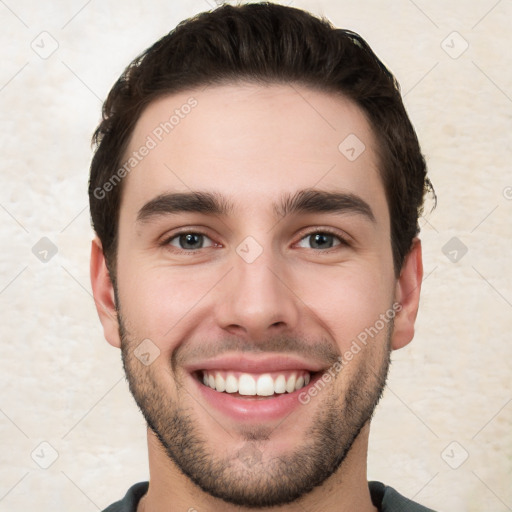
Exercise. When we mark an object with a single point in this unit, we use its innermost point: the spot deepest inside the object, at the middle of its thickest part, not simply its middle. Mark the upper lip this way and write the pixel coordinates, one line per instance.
(262, 364)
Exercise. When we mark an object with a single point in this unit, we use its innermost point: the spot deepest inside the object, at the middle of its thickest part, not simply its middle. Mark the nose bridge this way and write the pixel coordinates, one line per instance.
(257, 298)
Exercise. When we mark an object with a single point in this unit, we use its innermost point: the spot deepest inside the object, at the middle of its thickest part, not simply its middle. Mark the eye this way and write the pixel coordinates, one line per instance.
(322, 240)
(189, 241)
(193, 241)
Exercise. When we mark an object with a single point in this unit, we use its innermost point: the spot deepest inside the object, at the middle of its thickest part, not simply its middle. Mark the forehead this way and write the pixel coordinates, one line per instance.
(251, 142)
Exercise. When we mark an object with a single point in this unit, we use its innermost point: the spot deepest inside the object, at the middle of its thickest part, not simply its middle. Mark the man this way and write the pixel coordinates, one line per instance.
(255, 193)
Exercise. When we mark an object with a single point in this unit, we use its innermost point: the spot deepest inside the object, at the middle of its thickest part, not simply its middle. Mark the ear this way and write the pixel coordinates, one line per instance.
(407, 293)
(103, 293)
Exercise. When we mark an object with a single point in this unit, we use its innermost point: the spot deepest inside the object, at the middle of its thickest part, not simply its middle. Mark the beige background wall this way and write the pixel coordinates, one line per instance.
(449, 395)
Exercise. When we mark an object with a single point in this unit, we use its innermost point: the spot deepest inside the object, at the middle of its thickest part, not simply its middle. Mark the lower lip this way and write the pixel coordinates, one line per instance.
(254, 409)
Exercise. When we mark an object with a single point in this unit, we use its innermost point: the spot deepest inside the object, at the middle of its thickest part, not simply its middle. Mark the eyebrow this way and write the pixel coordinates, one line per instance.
(214, 203)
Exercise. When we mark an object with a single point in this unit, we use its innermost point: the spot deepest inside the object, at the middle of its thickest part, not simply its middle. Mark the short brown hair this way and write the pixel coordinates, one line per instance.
(263, 43)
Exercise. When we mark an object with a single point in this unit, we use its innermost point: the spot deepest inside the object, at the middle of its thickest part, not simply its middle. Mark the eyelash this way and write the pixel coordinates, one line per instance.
(343, 241)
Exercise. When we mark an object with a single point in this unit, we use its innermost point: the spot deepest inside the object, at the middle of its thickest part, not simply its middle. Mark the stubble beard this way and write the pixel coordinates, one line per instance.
(250, 477)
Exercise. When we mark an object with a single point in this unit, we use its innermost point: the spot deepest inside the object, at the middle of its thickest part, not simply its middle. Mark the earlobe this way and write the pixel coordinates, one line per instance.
(103, 292)
(407, 293)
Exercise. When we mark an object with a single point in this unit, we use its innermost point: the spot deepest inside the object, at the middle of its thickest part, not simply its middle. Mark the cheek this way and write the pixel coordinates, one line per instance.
(348, 301)
(157, 300)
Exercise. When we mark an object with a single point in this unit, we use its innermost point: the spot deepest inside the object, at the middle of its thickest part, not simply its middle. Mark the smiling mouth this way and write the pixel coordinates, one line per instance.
(255, 385)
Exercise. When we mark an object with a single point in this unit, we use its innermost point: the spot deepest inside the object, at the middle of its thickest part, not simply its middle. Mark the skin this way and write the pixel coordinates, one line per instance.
(254, 143)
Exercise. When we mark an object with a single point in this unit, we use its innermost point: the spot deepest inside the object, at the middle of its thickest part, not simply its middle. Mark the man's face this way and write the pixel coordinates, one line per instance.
(256, 287)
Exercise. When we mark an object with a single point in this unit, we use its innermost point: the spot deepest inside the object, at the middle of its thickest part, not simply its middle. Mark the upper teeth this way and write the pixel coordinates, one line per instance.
(262, 385)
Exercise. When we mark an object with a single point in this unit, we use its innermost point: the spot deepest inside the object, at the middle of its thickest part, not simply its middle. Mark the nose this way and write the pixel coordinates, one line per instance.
(256, 299)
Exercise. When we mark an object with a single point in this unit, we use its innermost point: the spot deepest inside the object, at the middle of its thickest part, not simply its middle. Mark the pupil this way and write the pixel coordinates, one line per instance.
(319, 239)
(191, 239)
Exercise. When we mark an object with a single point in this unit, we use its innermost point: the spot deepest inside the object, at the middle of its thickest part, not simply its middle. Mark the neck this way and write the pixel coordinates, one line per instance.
(344, 491)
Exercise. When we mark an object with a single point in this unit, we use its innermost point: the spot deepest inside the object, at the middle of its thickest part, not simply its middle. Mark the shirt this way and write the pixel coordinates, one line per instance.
(385, 498)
